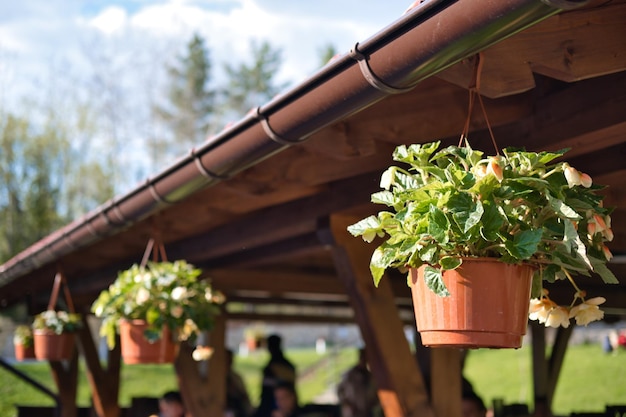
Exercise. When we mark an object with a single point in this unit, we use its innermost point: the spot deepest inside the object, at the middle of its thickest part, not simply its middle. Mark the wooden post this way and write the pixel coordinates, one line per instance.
(446, 381)
(203, 384)
(104, 383)
(401, 387)
(65, 375)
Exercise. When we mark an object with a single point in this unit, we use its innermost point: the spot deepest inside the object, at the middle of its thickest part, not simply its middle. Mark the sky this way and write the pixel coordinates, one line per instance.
(40, 36)
(111, 55)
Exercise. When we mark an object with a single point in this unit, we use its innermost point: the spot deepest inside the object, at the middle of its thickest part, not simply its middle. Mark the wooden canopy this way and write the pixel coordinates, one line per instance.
(274, 234)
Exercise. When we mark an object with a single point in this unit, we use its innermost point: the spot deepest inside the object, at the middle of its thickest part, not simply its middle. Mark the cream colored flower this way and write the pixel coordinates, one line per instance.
(558, 316)
(588, 311)
(480, 171)
(143, 295)
(572, 176)
(607, 253)
(540, 308)
(202, 353)
(386, 180)
(495, 169)
(179, 293)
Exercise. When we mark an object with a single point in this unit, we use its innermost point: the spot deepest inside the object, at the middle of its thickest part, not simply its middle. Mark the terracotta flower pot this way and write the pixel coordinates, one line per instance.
(488, 305)
(53, 347)
(137, 349)
(24, 352)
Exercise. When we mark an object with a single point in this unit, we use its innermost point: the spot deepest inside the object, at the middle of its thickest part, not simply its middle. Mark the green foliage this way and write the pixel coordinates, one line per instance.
(250, 85)
(23, 336)
(455, 203)
(57, 321)
(190, 106)
(163, 294)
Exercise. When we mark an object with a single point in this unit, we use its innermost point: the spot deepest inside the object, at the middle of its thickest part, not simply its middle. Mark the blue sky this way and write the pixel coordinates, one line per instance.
(38, 34)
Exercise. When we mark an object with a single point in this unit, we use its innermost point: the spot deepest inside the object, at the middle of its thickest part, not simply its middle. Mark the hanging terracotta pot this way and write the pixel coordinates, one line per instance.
(487, 306)
(23, 352)
(53, 347)
(137, 349)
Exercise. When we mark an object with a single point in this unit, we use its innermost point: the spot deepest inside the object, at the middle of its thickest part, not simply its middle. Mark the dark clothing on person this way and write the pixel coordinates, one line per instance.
(237, 400)
(278, 370)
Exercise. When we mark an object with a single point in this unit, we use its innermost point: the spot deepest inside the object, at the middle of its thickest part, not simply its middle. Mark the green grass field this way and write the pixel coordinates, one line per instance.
(590, 378)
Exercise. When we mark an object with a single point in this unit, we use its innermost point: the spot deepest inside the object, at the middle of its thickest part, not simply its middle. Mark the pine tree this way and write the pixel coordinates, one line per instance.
(252, 85)
(189, 109)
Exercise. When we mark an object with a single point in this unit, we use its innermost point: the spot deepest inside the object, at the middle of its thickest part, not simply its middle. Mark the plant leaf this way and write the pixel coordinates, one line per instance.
(434, 281)
(525, 244)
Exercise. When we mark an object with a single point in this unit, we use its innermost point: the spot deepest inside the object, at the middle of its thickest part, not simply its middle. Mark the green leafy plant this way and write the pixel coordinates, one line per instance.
(456, 203)
(163, 294)
(23, 336)
(57, 321)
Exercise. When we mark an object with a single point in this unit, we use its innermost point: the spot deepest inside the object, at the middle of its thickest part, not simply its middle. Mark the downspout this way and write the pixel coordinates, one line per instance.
(431, 37)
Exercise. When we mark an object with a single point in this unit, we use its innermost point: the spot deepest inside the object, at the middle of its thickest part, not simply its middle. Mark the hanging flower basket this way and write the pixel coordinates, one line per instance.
(487, 306)
(52, 346)
(54, 331)
(455, 204)
(136, 349)
(155, 305)
(23, 343)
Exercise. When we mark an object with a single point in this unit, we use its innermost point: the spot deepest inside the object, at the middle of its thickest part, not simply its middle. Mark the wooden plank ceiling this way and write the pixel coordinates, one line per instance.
(260, 236)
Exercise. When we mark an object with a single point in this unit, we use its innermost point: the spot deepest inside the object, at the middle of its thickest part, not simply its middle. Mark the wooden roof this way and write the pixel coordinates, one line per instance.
(262, 236)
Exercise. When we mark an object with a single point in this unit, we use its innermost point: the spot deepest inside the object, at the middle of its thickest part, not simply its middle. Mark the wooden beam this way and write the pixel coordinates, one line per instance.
(540, 365)
(555, 361)
(104, 383)
(569, 47)
(203, 384)
(401, 387)
(65, 376)
(445, 382)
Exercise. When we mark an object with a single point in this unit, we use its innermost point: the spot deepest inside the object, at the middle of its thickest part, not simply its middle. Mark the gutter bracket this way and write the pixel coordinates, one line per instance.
(372, 78)
(202, 169)
(270, 132)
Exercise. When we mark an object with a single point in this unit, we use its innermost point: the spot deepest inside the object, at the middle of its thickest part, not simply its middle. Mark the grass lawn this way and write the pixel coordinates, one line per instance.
(590, 379)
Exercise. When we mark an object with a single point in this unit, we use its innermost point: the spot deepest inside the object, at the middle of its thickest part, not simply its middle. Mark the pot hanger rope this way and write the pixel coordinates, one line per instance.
(155, 247)
(59, 280)
(474, 88)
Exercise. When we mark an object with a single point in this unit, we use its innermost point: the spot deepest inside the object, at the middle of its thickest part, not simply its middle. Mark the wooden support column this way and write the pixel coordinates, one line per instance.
(203, 384)
(401, 388)
(546, 370)
(65, 375)
(445, 381)
(104, 383)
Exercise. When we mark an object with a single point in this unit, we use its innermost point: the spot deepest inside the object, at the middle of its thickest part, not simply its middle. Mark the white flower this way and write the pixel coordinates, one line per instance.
(202, 353)
(588, 311)
(558, 316)
(575, 177)
(539, 309)
(495, 169)
(143, 295)
(386, 180)
(144, 277)
(179, 293)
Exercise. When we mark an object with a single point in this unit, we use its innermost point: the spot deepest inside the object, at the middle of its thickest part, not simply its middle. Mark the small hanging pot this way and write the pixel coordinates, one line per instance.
(487, 306)
(137, 349)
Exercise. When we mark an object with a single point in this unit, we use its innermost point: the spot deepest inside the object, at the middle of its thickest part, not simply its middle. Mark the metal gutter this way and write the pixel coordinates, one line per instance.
(432, 36)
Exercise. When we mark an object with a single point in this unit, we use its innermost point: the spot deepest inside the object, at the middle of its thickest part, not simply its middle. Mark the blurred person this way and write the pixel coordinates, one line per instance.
(279, 370)
(237, 399)
(286, 400)
(472, 405)
(357, 390)
(171, 405)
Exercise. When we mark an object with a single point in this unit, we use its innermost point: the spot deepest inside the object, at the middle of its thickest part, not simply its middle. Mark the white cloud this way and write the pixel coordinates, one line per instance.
(112, 19)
